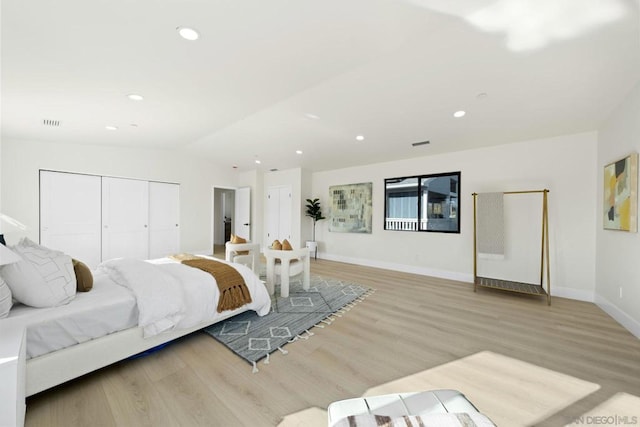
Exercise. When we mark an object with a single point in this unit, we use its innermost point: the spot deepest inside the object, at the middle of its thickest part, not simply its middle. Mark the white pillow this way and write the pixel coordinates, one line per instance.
(5, 299)
(44, 277)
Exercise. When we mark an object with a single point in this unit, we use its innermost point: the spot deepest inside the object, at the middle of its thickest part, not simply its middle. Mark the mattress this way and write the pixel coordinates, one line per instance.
(106, 309)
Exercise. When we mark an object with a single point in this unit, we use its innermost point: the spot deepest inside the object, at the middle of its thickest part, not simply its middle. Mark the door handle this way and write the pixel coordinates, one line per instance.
(246, 223)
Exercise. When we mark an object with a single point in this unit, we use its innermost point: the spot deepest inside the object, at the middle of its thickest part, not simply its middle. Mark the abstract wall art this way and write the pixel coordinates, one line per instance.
(621, 194)
(351, 208)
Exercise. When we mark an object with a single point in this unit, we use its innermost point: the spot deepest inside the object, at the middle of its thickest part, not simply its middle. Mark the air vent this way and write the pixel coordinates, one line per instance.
(52, 123)
(416, 144)
(273, 170)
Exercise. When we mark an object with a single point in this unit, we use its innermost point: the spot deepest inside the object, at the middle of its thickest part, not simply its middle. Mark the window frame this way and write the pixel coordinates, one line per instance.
(420, 179)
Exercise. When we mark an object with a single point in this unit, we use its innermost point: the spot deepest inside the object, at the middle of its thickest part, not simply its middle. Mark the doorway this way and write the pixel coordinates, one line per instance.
(231, 214)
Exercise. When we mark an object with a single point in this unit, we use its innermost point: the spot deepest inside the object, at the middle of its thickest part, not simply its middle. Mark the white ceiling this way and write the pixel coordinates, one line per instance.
(391, 70)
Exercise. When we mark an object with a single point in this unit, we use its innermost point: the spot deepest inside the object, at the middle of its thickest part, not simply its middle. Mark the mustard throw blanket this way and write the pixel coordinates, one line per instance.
(233, 291)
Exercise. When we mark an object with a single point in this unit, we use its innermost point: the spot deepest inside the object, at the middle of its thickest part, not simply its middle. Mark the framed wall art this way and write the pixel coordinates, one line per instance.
(621, 194)
(351, 208)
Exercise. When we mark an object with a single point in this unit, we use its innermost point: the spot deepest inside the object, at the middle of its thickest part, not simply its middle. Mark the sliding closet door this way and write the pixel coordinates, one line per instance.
(164, 219)
(70, 215)
(125, 218)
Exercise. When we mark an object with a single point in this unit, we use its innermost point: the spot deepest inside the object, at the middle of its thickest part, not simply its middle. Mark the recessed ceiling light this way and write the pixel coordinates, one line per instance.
(298, 151)
(258, 162)
(459, 114)
(109, 127)
(135, 97)
(188, 33)
(360, 138)
(311, 116)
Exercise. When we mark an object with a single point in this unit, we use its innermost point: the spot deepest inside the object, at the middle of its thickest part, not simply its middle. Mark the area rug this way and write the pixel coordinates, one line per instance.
(253, 337)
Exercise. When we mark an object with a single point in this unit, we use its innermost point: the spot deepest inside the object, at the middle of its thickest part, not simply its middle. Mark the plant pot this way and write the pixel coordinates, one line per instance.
(313, 247)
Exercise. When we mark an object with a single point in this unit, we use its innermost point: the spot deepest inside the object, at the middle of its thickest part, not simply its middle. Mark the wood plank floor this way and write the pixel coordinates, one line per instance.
(520, 361)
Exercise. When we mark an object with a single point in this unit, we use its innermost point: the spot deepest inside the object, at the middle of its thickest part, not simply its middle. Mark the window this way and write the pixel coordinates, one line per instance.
(423, 203)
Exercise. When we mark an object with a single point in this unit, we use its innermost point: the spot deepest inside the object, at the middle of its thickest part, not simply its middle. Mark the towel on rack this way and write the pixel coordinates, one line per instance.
(490, 225)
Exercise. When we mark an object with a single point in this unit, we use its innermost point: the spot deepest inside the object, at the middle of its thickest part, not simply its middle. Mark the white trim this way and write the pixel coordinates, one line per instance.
(424, 271)
(562, 292)
(631, 324)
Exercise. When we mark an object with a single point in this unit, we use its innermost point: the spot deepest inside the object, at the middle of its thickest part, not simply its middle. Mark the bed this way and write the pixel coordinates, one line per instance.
(133, 306)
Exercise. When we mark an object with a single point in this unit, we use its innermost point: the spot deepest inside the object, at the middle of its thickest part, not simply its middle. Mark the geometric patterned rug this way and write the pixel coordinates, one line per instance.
(253, 337)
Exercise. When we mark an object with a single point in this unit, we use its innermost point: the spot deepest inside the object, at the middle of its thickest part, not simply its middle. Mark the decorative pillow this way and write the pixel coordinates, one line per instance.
(44, 277)
(84, 278)
(276, 245)
(286, 246)
(238, 239)
(5, 299)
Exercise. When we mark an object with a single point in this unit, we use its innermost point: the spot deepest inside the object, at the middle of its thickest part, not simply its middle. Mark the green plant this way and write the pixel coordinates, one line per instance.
(314, 211)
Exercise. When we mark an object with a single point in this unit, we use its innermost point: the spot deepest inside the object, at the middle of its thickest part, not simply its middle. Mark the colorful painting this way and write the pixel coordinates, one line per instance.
(351, 208)
(621, 194)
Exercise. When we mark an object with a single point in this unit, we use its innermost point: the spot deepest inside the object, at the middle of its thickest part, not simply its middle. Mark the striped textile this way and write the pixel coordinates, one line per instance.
(428, 420)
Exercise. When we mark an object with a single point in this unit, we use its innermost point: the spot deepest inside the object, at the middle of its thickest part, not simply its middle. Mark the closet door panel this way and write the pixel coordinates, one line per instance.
(284, 219)
(125, 216)
(70, 215)
(272, 215)
(164, 219)
(278, 214)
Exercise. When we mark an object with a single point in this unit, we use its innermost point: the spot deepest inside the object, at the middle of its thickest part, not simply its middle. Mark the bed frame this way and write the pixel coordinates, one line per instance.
(28, 377)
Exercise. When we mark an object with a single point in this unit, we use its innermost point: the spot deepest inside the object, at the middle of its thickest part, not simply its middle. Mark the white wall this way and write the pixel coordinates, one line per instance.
(618, 252)
(21, 161)
(565, 165)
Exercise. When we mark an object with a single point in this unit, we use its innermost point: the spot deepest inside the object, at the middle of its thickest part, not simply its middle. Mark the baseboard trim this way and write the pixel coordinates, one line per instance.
(423, 271)
(631, 324)
(562, 292)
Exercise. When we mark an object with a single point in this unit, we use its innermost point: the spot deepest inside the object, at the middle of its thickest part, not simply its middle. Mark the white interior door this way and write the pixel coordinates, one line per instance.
(125, 216)
(272, 213)
(242, 213)
(70, 216)
(164, 219)
(278, 214)
(284, 219)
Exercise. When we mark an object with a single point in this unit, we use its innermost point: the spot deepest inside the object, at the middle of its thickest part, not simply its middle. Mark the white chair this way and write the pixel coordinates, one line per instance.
(236, 252)
(291, 264)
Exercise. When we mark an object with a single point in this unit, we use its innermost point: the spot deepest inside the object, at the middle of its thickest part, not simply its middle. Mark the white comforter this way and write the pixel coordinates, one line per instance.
(172, 295)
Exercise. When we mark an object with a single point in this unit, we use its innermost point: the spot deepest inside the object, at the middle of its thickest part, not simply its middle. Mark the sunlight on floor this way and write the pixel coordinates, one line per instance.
(620, 409)
(312, 417)
(509, 391)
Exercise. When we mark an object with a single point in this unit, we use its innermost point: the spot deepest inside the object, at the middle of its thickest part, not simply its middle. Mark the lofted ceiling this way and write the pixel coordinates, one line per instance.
(269, 77)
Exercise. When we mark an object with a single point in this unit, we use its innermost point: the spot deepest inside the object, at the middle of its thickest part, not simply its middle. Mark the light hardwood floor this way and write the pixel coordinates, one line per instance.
(520, 361)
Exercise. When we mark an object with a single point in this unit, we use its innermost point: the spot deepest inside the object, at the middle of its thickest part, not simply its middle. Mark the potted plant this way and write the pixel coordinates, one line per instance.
(314, 211)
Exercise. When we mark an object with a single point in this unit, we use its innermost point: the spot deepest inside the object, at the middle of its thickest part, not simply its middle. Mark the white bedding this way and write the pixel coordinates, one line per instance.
(110, 307)
(107, 308)
(186, 297)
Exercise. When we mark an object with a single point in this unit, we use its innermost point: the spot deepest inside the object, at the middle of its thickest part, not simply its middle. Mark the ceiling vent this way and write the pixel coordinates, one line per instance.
(51, 123)
(417, 144)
